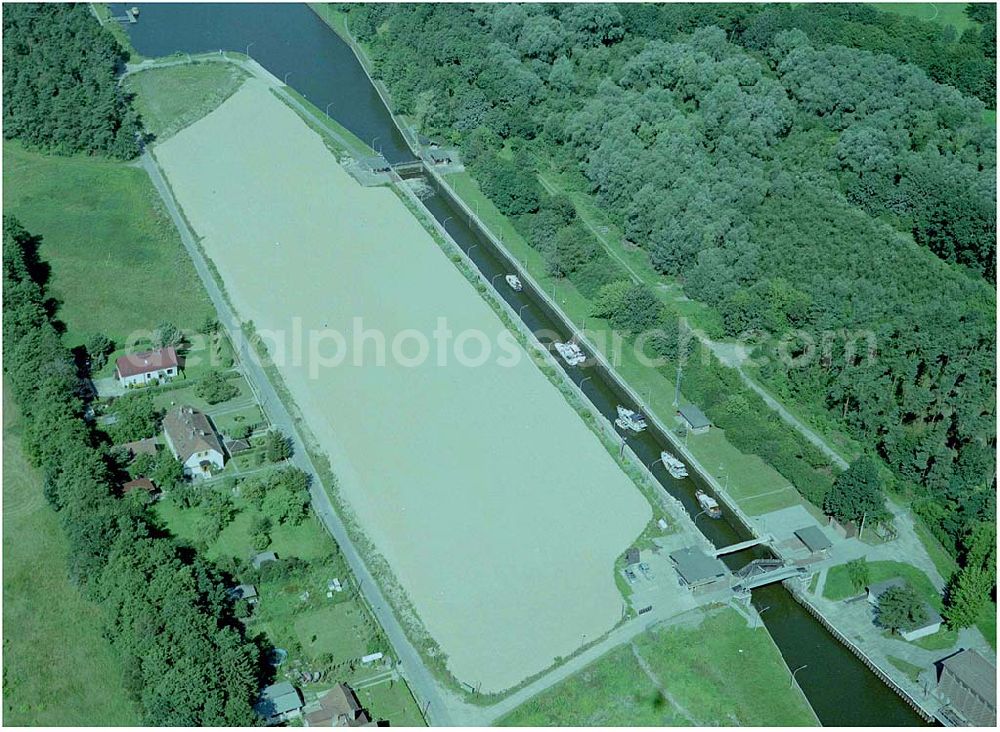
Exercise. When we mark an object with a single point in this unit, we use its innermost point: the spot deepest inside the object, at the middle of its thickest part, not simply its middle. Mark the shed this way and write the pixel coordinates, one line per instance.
(694, 419)
(278, 703)
(375, 164)
(696, 568)
(969, 682)
(814, 538)
(243, 592)
(257, 560)
(631, 556)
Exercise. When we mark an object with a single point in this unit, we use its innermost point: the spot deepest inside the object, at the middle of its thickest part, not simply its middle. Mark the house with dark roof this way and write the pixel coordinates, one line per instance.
(813, 538)
(969, 683)
(338, 707)
(279, 703)
(138, 369)
(193, 440)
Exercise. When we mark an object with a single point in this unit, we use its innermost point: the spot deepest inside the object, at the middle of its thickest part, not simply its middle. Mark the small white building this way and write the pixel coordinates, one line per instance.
(193, 440)
(138, 369)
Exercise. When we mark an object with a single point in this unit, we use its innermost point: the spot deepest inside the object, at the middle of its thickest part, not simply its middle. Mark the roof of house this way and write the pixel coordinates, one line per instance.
(694, 416)
(144, 483)
(278, 699)
(975, 672)
(190, 432)
(696, 566)
(146, 446)
(134, 364)
(814, 538)
(339, 706)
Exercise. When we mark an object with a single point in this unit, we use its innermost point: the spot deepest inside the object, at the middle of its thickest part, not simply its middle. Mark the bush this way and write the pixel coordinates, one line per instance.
(214, 388)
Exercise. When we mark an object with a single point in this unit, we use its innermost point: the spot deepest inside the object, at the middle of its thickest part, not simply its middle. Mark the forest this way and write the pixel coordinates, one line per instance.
(826, 170)
(60, 82)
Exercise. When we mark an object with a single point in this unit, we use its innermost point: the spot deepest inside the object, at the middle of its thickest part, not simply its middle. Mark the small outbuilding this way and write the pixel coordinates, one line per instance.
(969, 683)
(631, 556)
(695, 567)
(931, 623)
(279, 703)
(375, 164)
(258, 560)
(694, 419)
(141, 484)
(243, 592)
(814, 539)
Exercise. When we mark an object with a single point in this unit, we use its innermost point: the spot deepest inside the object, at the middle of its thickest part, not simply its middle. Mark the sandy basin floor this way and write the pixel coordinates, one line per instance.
(499, 512)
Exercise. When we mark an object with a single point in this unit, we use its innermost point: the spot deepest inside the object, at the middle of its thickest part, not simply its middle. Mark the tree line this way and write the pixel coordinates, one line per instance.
(60, 90)
(804, 182)
(186, 660)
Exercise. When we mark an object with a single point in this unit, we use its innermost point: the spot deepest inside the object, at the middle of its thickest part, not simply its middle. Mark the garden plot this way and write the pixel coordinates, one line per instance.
(499, 512)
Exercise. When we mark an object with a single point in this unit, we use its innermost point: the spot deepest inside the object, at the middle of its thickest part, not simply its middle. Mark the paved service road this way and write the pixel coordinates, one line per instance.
(430, 696)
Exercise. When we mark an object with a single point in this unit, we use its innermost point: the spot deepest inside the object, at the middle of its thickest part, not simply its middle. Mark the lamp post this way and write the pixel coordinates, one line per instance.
(698, 516)
(444, 224)
(328, 108)
(469, 252)
(584, 381)
(373, 141)
(285, 78)
(522, 308)
(248, 48)
(493, 279)
(757, 616)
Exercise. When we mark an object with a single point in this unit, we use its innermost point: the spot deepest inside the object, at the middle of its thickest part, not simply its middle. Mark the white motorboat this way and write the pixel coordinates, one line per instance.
(571, 353)
(515, 282)
(630, 420)
(708, 504)
(675, 467)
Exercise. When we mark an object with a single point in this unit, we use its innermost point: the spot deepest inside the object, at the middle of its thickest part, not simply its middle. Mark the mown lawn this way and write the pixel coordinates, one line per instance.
(171, 98)
(117, 264)
(613, 691)
(694, 676)
(838, 583)
(58, 668)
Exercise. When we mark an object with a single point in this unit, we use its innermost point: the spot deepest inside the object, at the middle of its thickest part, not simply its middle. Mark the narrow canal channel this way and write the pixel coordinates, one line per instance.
(291, 39)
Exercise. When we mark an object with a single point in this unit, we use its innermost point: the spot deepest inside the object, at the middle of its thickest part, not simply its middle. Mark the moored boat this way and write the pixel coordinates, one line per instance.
(675, 467)
(708, 504)
(571, 353)
(630, 420)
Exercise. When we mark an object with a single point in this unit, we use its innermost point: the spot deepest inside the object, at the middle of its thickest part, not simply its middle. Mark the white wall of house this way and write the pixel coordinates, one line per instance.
(141, 379)
(193, 465)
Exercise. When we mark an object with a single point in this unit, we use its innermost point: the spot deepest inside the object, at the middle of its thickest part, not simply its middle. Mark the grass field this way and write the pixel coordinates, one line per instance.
(943, 13)
(117, 262)
(169, 99)
(316, 257)
(706, 676)
(58, 668)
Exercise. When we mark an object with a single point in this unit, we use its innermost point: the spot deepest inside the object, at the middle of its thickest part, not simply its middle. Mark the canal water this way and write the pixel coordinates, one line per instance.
(290, 39)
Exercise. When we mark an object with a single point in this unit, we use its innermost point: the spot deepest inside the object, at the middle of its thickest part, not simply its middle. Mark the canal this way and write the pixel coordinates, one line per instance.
(290, 39)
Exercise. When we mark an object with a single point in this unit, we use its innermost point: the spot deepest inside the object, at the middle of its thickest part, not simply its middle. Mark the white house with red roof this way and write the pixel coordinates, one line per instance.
(137, 369)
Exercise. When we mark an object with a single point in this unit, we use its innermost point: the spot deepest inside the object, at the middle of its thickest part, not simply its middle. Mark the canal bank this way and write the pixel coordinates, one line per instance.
(291, 40)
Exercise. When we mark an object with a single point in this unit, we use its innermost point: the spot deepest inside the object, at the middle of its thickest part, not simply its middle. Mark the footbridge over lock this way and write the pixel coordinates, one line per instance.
(762, 572)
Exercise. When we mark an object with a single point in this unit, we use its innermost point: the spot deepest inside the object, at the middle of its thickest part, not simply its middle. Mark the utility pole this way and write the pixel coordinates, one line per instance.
(677, 387)
(862, 531)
